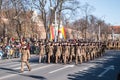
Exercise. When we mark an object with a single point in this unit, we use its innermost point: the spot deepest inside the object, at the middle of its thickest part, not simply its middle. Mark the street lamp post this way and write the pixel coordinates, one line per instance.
(99, 35)
(112, 34)
(56, 26)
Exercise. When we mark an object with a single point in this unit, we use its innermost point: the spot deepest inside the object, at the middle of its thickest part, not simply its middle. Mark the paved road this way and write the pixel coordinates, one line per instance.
(104, 68)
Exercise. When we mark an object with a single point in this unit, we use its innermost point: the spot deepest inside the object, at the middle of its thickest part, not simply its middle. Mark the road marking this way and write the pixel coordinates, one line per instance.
(42, 67)
(11, 75)
(10, 63)
(106, 70)
(26, 66)
(14, 65)
(88, 66)
(62, 68)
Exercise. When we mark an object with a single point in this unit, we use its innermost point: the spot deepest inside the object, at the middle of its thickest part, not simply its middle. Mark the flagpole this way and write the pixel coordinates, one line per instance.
(99, 36)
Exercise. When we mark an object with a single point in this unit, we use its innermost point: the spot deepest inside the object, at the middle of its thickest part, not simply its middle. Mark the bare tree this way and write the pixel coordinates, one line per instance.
(19, 8)
(86, 9)
(0, 4)
(48, 8)
(80, 25)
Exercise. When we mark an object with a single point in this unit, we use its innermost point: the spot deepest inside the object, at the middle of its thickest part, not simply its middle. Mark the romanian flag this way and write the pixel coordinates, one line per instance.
(52, 35)
(63, 32)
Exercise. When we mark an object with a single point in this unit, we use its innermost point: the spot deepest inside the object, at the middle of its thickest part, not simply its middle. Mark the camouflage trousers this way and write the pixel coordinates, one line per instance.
(78, 58)
(57, 57)
(49, 57)
(65, 57)
(22, 65)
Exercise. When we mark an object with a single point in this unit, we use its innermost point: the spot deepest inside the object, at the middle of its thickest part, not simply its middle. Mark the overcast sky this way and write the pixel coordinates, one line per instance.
(108, 10)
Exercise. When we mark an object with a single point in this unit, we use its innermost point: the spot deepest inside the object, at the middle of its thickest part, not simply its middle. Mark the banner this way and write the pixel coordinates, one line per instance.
(52, 34)
(62, 33)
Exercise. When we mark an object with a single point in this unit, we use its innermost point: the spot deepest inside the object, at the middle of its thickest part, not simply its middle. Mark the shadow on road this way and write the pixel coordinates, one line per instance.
(93, 72)
(34, 77)
(8, 69)
(83, 75)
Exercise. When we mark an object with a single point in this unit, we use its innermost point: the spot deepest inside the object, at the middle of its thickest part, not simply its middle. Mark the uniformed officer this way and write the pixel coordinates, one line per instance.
(118, 44)
(98, 45)
(66, 52)
(78, 55)
(63, 51)
(93, 50)
(100, 49)
(50, 51)
(25, 56)
(83, 52)
(72, 51)
(87, 50)
(42, 55)
(58, 52)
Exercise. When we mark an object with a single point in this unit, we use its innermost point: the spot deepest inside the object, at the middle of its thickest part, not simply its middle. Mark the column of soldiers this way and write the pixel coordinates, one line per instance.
(68, 52)
(113, 45)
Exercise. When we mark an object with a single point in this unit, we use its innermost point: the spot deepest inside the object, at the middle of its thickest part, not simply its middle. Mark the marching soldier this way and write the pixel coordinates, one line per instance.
(98, 47)
(87, 50)
(96, 50)
(118, 44)
(93, 53)
(25, 57)
(42, 56)
(63, 51)
(66, 52)
(103, 48)
(90, 51)
(108, 45)
(83, 52)
(78, 55)
(72, 52)
(50, 51)
(111, 45)
(58, 52)
(100, 50)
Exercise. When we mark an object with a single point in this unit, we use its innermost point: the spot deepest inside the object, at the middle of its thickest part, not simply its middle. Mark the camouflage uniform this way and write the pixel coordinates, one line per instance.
(87, 50)
(116, 45)
(58, 52)
(50, 51)
(78, 55)
(91, 51)
(109, 45)
(119, 45)
(24, 59)
(66, 53)
(112, 45)
(42, 56)
(98, 49)
(72, 52)
(101, 50)
(83, 52)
